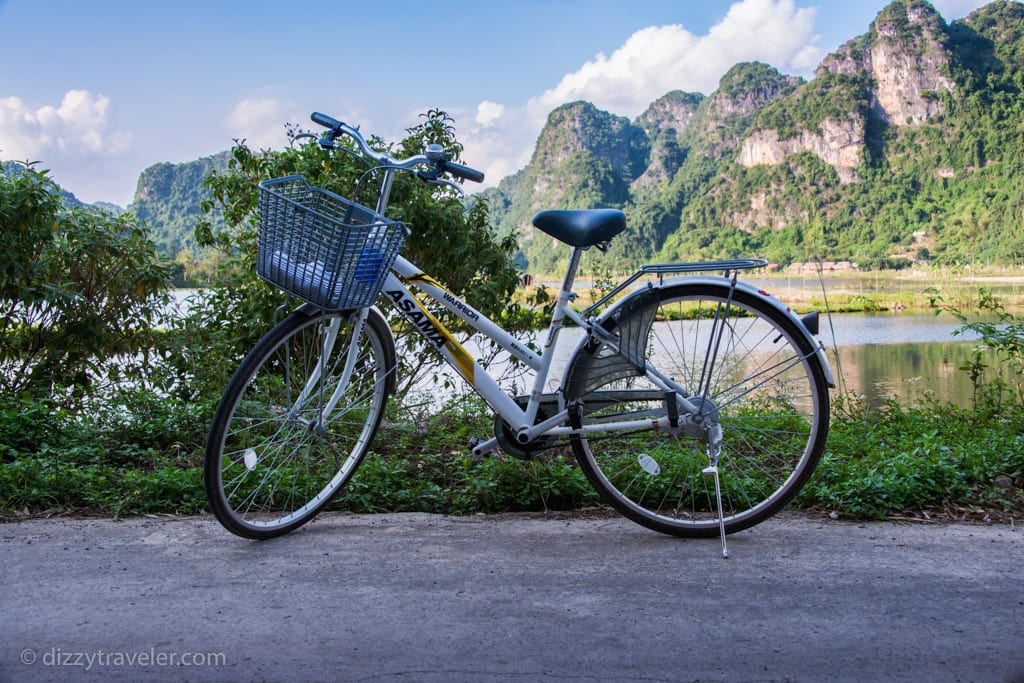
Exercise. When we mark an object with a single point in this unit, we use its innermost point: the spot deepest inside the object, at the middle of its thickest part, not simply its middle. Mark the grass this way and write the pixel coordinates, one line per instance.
(861, 292)
(921, 461)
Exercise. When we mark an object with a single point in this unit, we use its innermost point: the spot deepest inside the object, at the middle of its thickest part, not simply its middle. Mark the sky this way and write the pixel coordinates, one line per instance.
(97, 91)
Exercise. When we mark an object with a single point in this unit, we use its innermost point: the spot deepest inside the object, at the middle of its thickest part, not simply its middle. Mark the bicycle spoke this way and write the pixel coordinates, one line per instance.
(747, 369)
(276, 455)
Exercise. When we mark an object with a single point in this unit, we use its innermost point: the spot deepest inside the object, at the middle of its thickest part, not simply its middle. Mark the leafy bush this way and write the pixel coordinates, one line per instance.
(937, 458)
(80, 292)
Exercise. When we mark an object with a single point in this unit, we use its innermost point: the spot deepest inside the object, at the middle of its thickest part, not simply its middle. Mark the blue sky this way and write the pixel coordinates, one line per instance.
(99, 90)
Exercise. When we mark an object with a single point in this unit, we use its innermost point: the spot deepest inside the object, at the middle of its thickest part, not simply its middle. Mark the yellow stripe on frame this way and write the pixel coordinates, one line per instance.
(462, 358)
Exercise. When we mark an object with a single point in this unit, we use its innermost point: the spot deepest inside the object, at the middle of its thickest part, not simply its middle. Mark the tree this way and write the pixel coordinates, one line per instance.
(78, 288)
(454, 242)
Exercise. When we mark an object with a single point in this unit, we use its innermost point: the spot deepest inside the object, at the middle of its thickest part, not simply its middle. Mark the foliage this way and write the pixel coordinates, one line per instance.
(76, 433)
(448, 239)
(927, 459)
(943, 191)
(829, 96)
(169, 200)
(79, 290)
(995, 388)
(938, 460)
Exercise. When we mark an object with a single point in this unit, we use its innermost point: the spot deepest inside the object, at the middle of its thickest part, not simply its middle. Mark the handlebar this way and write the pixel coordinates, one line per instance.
(464, 172)
(435, 157)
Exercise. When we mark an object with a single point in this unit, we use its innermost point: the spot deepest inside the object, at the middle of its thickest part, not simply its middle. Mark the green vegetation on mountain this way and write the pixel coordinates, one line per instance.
(168, 198)
(907, 147)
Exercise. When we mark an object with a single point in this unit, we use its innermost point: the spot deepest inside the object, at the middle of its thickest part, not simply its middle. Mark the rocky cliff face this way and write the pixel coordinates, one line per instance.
(723, 118)
(838, 143)
(665, 123)
(902, 63)
(906, 56)
(581, 127)
(670, 114)
(897, 130)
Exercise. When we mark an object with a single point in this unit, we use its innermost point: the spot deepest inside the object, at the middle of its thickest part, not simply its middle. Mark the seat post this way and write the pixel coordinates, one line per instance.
(570, 273)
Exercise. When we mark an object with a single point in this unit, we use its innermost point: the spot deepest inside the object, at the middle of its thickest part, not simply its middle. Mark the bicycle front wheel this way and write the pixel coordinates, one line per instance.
(296, 420)
(745, 364)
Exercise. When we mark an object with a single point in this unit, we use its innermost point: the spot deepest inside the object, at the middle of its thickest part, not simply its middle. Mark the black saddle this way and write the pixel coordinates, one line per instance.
(581, 228)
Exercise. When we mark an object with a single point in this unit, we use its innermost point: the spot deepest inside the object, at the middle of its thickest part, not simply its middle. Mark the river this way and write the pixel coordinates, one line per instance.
(877, 356)
(902, 355)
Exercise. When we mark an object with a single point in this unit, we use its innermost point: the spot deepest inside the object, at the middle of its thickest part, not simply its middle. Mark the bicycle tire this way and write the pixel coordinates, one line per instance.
(272, 461)
(767, 389)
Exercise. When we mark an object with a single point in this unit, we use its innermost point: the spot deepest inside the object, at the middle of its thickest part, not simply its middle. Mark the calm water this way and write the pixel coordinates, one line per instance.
(879, 355)
(899, 354)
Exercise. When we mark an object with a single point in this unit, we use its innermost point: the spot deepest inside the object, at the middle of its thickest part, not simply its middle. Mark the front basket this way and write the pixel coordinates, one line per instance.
(322, 248)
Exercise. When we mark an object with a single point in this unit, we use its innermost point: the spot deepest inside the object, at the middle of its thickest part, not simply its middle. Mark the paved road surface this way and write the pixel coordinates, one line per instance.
(413, 597)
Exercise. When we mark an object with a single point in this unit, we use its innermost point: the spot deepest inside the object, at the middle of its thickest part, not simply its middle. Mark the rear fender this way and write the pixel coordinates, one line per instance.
(744, 287)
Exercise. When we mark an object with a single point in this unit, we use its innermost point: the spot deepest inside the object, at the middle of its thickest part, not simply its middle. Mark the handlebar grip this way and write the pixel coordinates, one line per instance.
(464, 172)
(326, 121)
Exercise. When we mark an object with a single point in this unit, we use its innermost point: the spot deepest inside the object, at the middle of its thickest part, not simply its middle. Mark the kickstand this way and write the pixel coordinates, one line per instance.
(714, 448)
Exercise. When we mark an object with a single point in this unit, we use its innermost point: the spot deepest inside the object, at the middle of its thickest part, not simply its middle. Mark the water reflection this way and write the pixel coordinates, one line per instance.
(901, 355)
(906, 371)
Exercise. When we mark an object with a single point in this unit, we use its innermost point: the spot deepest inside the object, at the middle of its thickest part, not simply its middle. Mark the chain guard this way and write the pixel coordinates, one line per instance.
(507, 438)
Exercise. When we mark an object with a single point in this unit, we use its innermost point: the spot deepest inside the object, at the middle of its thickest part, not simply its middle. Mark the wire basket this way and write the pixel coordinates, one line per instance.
(322, 248)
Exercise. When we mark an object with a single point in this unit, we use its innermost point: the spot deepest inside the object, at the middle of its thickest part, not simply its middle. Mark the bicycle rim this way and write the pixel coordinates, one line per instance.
(747, 366)
(282, 443)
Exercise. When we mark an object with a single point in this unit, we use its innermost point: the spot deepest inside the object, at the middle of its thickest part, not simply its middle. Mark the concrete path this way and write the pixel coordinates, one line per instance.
(413, 597)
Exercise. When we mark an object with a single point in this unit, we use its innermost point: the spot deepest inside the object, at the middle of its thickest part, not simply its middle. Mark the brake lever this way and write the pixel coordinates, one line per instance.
(431, 177)
(327, 141)
(452, 184)
(301, 136)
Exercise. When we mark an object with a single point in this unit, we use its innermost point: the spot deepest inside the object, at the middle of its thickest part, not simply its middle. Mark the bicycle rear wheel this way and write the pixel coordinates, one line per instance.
(296, 420)
(746, 365)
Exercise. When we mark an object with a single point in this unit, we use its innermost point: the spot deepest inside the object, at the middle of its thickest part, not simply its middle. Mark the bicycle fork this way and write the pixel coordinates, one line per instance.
(315, 384)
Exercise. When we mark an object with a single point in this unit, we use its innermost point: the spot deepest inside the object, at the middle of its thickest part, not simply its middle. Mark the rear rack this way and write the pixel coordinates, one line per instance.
(726, 266)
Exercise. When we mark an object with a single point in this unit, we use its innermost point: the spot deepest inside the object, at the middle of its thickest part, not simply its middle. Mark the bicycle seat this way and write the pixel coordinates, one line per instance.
(583, 228)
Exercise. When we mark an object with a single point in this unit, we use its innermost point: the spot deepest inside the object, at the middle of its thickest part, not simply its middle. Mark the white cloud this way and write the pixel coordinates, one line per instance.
(652, 62)
(261, 121)
(78, 139)
(79, 127)
(488, 113)
(658, 59)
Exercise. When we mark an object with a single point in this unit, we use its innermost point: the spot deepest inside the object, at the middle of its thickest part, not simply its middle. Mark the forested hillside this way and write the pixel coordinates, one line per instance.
(67, 198)
(907, 146)
(167, 198)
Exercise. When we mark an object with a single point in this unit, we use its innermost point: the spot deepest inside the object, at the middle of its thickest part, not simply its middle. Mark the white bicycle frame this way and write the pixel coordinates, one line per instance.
(522, 420)
(679, 414)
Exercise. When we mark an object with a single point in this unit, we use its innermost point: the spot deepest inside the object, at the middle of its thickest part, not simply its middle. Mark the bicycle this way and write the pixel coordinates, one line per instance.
(696, 404)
